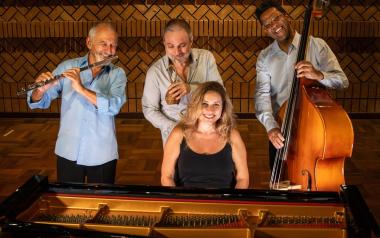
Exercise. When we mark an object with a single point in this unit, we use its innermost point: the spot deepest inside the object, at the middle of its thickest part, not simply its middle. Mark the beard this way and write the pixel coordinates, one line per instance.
(99, 56)
(181, 58)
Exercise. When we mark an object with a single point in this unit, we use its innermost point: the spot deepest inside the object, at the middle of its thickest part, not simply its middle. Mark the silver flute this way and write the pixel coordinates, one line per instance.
(57, 77)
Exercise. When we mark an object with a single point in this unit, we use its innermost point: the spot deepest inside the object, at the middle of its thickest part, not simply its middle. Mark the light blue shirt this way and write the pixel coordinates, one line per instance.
(87, 132)
(275, 70)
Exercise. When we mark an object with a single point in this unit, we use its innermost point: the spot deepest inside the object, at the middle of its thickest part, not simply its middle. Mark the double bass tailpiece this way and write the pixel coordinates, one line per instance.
(57, 77)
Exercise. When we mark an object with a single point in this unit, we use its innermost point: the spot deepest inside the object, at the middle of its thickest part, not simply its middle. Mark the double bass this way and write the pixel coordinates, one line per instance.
(318, 133)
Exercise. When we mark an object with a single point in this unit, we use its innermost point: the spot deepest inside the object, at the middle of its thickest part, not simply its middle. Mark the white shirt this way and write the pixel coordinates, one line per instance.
(275, 71)
(162, 115)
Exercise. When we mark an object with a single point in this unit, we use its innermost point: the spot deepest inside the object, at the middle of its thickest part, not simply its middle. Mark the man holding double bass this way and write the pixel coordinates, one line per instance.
(275, 69)
(86, 145)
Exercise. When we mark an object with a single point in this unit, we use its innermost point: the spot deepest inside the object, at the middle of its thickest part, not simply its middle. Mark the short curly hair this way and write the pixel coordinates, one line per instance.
(265, 6)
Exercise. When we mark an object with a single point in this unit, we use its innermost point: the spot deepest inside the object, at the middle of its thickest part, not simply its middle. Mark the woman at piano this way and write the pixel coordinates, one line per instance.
(205, 149)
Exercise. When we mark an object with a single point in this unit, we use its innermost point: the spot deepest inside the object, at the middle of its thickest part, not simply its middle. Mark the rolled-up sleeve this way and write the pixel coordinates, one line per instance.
(43, 103)
(51, 94)
(111, 103)
(334, 77)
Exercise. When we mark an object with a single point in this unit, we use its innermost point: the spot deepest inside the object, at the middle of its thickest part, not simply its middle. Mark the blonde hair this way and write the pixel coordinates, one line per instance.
(225, 123)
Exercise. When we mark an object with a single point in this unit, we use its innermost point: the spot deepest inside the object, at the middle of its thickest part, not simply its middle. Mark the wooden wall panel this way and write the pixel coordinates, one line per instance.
(201, 28)
(37, 35)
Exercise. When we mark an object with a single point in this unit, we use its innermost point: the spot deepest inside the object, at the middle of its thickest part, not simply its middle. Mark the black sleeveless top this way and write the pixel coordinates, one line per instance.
(205, 170)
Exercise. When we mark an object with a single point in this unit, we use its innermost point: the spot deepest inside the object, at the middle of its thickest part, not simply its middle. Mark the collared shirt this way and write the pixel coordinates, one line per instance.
(87, 132)
(275, 70)
(158, 79)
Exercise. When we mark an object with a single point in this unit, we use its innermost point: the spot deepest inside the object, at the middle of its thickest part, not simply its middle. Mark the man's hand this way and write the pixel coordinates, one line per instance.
(276, 138)
(73, 75)
(43, 77)
(307, 70)
(39, 92)
(178, 89)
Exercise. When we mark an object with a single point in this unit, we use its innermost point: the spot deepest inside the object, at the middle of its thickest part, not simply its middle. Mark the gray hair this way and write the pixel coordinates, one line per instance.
(177, 24)
(92, 31)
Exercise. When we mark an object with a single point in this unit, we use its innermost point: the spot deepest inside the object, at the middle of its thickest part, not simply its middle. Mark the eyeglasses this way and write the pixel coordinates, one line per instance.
(270, 24)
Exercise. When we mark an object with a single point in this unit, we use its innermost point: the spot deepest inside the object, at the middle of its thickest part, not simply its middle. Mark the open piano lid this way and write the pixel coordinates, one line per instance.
(42, 209)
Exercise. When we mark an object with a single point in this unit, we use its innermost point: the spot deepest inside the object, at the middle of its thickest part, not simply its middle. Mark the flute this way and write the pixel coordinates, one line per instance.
(57, 77)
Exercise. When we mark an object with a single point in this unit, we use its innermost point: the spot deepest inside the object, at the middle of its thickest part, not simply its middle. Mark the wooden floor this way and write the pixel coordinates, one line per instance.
(27, 148)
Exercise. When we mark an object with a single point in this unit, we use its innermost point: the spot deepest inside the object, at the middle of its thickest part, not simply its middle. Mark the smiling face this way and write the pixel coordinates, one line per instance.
(212, 107)
(276, 24)
(178, 45)
(102, 44)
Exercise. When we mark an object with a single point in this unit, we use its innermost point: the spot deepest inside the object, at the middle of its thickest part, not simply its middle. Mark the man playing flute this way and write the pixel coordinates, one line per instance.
(86, 146)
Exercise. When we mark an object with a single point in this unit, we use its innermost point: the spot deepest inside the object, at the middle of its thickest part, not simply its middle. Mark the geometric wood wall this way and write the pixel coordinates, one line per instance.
(37, 35)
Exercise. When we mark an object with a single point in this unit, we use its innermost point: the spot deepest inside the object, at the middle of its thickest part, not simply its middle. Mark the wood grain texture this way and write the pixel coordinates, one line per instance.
(27, 148)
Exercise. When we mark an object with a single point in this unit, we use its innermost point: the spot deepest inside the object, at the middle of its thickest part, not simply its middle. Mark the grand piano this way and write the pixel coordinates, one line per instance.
(42, 209)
